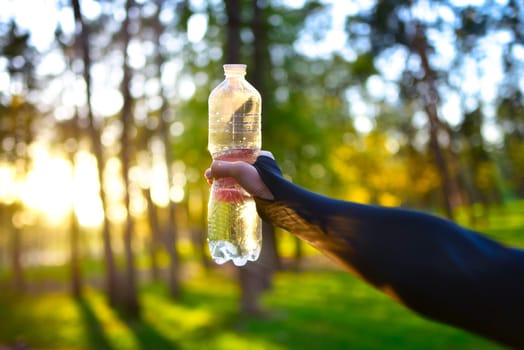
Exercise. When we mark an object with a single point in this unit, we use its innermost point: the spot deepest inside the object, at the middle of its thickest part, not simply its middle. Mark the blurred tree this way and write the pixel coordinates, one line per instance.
(130, 289)
(481, 178)
(510, 114)
(83, 47)
(165, 117)
(69, 136)
(428, 91)
(16, 134)
(154, 227)
(74, 239)
(261, 63)
(250, 274)
(500, 22)
(21, 58)
(412, 30)
(255, 277)
(17, 117)
(393, 24)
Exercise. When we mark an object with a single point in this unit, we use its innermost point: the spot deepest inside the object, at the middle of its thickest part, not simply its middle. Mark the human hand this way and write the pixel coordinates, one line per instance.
(244, 173)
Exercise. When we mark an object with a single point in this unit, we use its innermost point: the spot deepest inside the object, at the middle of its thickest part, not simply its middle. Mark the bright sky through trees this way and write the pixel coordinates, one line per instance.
(107, 99)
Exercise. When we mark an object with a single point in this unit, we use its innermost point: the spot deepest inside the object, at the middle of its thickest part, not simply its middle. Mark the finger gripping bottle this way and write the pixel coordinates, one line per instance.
(234, 228)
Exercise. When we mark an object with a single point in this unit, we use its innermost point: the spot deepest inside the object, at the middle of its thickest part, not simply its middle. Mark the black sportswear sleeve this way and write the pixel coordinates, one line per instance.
(431, 265)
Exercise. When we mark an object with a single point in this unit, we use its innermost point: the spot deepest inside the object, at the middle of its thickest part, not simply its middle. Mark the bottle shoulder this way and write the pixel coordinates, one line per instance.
(232, 86)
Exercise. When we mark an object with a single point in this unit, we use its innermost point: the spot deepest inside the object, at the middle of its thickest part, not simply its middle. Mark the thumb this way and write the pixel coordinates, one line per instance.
(220, 169)
(244, 173)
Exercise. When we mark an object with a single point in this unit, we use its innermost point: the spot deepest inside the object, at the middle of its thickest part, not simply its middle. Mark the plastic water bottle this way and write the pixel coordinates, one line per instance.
(234, 228)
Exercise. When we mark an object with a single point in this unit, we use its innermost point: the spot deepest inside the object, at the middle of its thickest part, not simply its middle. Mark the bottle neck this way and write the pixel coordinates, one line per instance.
(235, 71)
(234, 75)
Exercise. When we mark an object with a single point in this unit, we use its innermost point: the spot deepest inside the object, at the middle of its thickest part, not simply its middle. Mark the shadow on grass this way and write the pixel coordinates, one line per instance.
(146, 336)
(96, 336)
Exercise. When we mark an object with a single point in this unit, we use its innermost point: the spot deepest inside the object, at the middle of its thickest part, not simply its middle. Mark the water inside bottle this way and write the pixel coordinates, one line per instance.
(235, 232)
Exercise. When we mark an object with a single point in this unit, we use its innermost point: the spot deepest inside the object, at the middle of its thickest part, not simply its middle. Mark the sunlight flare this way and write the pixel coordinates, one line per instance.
(8, 188)
(87, 203)
(48, 187)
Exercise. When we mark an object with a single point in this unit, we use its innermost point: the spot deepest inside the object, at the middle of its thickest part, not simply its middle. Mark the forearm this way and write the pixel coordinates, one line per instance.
(429, 264)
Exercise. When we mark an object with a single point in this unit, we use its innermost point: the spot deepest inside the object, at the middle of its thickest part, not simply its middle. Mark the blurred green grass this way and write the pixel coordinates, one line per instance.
(310, 310)
(319, 308)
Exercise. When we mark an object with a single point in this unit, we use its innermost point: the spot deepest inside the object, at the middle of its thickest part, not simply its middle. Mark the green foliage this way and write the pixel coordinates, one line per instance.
(21, 56)
(363, 67)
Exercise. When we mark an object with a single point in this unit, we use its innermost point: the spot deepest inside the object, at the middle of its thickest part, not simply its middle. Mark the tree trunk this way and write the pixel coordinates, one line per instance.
(76, 273)
(440, 160)
(154, 227)
(250, 283)
(201, 237)
(19, 283)
(260, 68)
(233, 31)
(171, 238)
(200, 246)
(256, 277)
(82, 40)
(21, 137)
(111, 275)
(430, 98)
(131, 295)
(299, 254)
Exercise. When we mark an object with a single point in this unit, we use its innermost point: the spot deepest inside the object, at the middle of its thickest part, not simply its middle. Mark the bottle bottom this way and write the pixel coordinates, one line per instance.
(224, 251)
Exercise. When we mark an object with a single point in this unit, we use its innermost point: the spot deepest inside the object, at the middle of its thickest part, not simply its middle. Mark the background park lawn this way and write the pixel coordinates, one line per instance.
(321, 307)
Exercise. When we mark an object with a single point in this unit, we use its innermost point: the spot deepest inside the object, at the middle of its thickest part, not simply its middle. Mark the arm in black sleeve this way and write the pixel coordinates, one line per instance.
(431, 265)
